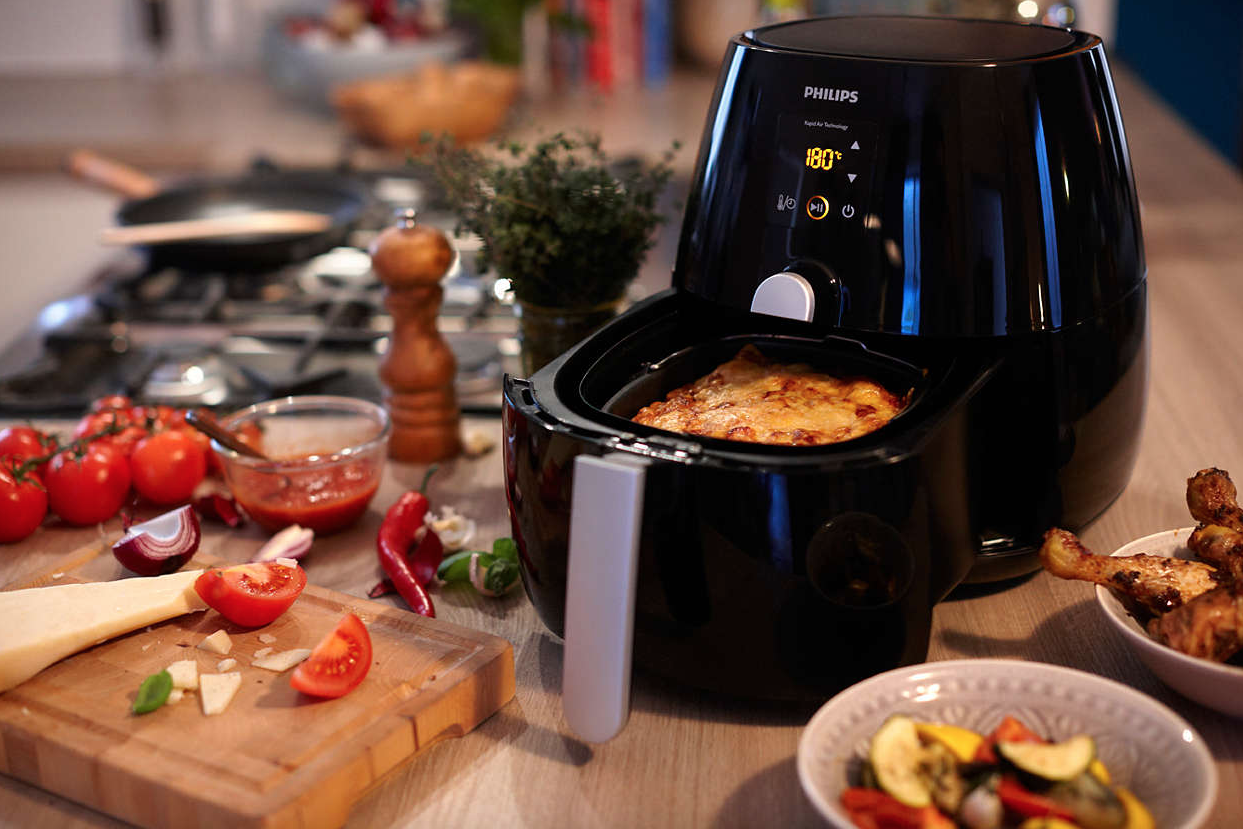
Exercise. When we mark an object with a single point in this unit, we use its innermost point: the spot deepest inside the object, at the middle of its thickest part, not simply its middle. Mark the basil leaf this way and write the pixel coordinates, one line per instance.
(505, 548)
(153, 692)
(500, 576)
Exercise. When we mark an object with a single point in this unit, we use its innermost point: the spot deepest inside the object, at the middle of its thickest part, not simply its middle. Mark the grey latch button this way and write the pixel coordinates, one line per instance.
(785, 295)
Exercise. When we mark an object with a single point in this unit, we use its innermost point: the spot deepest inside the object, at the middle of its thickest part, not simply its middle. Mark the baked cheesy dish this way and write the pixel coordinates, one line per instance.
(755, 400)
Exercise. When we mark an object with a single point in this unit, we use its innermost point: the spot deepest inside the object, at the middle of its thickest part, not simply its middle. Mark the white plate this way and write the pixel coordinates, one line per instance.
(1146, 747)
(1209, 683)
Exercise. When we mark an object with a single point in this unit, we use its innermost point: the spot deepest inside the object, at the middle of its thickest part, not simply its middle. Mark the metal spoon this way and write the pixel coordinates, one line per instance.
(207, 424)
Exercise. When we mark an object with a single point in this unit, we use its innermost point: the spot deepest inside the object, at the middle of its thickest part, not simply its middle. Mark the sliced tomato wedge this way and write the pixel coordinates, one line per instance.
(338, 663)
(251, 595)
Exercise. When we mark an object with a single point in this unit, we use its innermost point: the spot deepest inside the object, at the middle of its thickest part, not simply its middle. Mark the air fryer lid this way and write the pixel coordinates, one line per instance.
(921, 177)
(920, 39)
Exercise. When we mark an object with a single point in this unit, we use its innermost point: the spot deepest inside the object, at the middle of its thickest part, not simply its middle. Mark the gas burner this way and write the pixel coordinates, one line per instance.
(187, 382)
(226, 340)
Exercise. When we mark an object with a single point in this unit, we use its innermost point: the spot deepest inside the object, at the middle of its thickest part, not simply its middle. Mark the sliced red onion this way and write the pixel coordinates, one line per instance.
(220, 507)
(161, 545)
(291, 542)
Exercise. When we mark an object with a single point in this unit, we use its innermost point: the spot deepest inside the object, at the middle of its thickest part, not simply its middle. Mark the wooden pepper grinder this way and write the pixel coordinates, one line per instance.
(419, 368)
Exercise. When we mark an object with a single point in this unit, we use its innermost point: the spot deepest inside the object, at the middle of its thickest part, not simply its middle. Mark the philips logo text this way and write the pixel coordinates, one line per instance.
(823, 93)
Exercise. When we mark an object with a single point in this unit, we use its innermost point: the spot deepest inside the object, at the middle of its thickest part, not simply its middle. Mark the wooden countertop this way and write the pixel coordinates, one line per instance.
(686, 759)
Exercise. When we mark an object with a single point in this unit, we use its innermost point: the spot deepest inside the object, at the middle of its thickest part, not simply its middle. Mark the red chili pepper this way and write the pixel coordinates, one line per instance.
(409, 569)
(1023, 801)
(382, 588)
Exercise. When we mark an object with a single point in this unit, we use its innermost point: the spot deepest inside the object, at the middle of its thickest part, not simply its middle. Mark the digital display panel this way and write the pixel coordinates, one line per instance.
(822, 172)
(822, 158)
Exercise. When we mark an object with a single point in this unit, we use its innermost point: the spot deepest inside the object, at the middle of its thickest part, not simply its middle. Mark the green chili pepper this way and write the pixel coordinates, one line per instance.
(456, 568)
(153, 692)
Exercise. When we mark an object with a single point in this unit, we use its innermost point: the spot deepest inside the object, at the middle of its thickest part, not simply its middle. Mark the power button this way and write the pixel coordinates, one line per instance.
(817, 207)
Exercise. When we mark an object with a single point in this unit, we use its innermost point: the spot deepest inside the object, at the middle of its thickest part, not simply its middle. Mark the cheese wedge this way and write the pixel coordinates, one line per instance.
(216, 691)
(185, 674)
(41, 625)
(283, 660)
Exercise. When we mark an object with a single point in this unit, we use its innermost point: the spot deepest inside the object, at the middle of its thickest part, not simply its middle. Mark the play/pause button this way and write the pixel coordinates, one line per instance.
(817, 207)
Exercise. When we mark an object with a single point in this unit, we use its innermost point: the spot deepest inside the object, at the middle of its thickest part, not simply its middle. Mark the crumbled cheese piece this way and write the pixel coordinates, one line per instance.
(216, 691)
(56, 576)
(262, 652)
(219, 642)
(226, 665)
(175, 695)
(185, 674)
(267, 638)
(146, 646)
(477, 442)
(283, 660)
(287, 562)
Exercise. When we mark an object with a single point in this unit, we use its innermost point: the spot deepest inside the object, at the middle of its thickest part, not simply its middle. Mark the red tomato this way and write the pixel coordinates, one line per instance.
(167, 466)
(203, 441)
(253, 594)
(26, 442)
(111, 401)
(23, 501)
(98, 422)
(338, 663)
(127, 439)
(88, 489)
(154, 416)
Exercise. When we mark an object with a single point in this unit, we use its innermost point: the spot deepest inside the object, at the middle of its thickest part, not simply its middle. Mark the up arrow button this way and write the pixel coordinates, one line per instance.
(854, 146)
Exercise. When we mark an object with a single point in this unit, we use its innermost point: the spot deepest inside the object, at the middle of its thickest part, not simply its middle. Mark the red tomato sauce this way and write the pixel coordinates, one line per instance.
(325, 501)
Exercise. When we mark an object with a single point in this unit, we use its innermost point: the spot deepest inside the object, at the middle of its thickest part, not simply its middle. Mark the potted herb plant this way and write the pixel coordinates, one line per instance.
(564, 224)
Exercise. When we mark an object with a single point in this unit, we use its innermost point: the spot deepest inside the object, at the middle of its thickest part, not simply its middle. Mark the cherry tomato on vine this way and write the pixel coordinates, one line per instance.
(157, 417)
(127, 439)
(111, 401)
(167, 466)
(87, 489)
(96, 422)
(25, 442)
(23, 501)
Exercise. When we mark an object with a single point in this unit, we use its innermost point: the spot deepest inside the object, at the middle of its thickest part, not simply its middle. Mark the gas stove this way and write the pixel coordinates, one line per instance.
(226, 340)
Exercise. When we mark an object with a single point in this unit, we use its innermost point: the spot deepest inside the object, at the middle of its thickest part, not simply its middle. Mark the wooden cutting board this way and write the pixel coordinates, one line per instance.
(274, 758)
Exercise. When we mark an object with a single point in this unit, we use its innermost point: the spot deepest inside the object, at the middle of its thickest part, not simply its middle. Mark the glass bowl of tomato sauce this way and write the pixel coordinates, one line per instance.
(323, 460)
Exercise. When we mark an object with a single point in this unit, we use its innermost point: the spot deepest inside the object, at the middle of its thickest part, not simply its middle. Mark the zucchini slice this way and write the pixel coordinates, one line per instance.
(1051, 761)
(895, 756)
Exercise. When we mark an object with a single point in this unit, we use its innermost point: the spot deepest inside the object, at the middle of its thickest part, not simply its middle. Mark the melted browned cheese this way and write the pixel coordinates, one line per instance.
(752, 399)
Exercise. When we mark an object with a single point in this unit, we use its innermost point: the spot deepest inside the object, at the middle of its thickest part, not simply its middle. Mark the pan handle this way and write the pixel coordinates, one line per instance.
(606, 519)
(111, 174)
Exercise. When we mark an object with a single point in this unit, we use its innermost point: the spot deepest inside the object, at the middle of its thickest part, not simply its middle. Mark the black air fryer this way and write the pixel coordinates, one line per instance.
(945, 206)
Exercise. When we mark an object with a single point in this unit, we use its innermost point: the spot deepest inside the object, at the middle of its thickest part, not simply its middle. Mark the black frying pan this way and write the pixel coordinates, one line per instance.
(332, 194)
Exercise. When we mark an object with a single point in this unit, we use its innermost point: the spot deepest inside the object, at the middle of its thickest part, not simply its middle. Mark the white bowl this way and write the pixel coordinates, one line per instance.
(1146, 747)
(1213, 684)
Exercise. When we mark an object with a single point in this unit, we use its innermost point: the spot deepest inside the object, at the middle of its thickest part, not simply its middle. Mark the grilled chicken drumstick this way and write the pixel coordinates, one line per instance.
(1211, 499)
(1221, 547)
(1153, 583)
(1209, 626)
